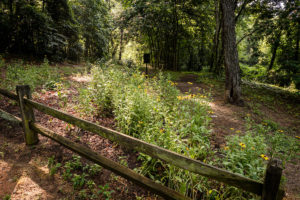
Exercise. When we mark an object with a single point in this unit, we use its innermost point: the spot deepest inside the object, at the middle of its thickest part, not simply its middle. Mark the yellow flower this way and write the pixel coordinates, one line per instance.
(238, 131)
(226, 148)
(248, 115)
(242, 145)
(145, 91)
(281, 131)
(210, 191)
(252, 148)
(298, 137)
(139, 86)
(187, 148)
(161, 130)
(264, 157)
(190, 83)
(140, 122)
(179, 97)
(232, 129)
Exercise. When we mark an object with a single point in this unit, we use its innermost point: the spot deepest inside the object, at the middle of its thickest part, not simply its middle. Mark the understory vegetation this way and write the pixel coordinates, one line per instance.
(152, 109)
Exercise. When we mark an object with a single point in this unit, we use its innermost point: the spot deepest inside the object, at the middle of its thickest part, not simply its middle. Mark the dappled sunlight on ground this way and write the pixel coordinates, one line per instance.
(81, 79)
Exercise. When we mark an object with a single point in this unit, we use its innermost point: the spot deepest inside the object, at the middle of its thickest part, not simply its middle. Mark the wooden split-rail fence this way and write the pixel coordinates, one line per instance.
(268, 190)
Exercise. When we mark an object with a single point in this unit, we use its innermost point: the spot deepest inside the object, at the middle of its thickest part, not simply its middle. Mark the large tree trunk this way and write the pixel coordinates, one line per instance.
(231, 61)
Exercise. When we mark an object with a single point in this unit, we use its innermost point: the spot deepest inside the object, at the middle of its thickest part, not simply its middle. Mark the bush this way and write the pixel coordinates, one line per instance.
(153, 110)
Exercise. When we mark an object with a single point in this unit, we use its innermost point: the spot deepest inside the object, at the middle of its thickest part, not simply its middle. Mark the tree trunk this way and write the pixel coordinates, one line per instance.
(232, 68)
(214, 57)
(296, 57)
(274, 50)
(121, 44)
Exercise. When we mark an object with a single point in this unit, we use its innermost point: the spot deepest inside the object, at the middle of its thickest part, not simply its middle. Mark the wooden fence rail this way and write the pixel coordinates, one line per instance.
(173, 158)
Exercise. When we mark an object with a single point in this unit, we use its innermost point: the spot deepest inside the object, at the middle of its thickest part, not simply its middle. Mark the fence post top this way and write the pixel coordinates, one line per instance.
(275, 163)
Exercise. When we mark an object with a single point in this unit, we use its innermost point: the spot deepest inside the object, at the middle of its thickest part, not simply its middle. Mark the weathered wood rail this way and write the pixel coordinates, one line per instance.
(268, 190)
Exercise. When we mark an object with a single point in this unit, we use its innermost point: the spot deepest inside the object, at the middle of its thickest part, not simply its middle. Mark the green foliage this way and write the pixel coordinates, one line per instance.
(7, 197)
(153, 110)
(93, 18)
(78, 180)
(32, 75)
(53, 166)
(54, 28)
(243, 155)
(283, 146)
(105, 192)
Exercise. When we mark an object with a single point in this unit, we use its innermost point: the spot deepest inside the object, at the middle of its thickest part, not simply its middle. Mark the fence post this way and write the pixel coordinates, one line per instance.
(272, 180)
(27, 114)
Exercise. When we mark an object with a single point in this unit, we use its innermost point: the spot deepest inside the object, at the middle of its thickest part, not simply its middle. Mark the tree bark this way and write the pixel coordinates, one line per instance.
(274, 50)
(232, 68)
(121, 44)
(214, 58)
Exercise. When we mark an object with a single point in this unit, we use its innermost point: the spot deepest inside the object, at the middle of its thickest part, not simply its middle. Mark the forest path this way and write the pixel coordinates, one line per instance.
(228, 119)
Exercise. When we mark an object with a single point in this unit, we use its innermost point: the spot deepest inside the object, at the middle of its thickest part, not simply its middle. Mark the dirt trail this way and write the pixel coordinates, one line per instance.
(228, 119)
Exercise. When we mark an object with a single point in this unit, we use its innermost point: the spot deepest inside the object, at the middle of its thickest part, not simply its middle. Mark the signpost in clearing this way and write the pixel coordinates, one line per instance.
(146, 60)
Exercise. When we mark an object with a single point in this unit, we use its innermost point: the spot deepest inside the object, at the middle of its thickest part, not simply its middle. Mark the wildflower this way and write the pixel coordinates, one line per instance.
(226, 148)
(190, 83)
(281, 131)
(232, 129)
(145, 91)
(139, 86)
(242, 145)
(140, 122)
(248, 115)
(298, 137)
(252, 148)
(154, 77)
(187, 148)
(161, 130)
(238, 131)
(210, 191)
(179, 97)
(264, 157)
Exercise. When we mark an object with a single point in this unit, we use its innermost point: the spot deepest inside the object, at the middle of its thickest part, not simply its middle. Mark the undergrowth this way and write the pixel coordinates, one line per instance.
(153, 110)
(17, 73)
